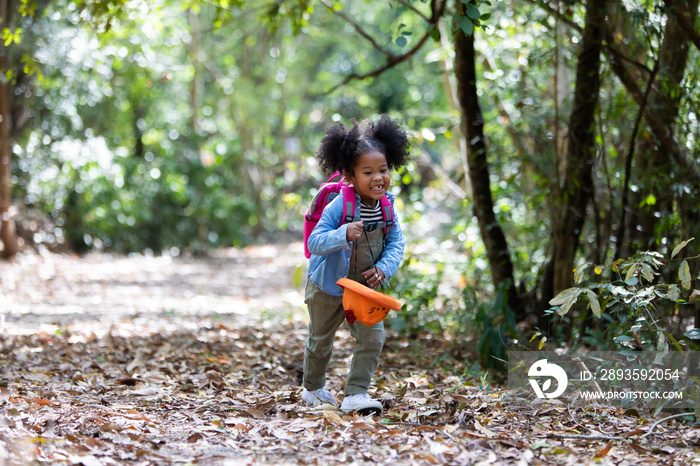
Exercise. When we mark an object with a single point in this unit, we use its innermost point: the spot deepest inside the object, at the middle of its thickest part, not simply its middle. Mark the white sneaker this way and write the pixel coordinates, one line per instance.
(318, 397)
(363, 404)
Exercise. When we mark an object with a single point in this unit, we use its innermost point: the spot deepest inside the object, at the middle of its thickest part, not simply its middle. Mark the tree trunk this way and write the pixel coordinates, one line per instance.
(578, 179)
(472, 127)
(684, 17)
(8, 235)
(664, 103)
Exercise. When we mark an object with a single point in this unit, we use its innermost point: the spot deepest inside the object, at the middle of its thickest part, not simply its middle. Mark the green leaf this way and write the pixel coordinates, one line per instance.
(649, 200)
(678, 248)
(466, 26)
(623, 339)
(595, 305)
(647, 272)
(563, 296)
(473, 12)
(661, 343)
(674, 293)
(652, 258)
(566, 299)
(693, 334)
(7, 36)
(684, 275)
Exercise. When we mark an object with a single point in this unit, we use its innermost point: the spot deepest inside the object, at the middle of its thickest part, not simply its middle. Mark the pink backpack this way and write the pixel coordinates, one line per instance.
(326, 193)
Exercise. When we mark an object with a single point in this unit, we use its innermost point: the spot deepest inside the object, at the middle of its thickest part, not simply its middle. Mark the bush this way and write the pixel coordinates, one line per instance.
(641, 306)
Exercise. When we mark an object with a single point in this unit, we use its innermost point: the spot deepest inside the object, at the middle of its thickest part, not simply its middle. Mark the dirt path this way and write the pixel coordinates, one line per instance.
(95, 292)
(155, 360)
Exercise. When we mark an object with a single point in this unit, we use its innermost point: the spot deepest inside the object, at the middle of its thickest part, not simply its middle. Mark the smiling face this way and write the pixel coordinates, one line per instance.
(370, 176)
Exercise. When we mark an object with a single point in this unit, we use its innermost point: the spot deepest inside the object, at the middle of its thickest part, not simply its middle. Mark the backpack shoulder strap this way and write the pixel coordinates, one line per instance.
(336, 175)
(387, 212)
(349, 204)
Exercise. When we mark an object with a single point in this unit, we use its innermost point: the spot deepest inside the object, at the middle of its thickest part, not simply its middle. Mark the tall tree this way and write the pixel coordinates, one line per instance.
(577, 189)
(472, 126)
(657, 90)
(17, 18)
(8, 236)
(656, 170)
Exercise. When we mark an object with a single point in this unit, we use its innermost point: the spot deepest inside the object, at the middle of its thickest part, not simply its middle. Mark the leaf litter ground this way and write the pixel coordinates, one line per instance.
(197, 360)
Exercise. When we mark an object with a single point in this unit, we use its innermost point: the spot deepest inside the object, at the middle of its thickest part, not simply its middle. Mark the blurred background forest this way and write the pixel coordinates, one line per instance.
(552, 197)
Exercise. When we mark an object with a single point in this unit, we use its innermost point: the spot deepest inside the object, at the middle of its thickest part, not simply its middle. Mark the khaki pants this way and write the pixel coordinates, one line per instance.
(326, 314)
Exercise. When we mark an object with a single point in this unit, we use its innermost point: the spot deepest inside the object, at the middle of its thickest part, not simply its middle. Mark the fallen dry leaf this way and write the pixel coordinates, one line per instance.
(603, 452)
(334, 420)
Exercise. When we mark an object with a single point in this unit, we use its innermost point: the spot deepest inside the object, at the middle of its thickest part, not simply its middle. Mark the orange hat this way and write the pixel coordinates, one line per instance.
(365, 304)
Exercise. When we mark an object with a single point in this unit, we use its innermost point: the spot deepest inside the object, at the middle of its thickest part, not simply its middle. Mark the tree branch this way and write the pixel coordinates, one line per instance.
(617, 63)
(628, 163)
(607, 47)
(359, 30)
(437, 8)
(555, 12)
(413, 9)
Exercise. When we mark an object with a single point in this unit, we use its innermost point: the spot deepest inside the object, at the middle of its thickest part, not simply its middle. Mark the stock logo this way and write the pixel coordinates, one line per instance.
(546, 370)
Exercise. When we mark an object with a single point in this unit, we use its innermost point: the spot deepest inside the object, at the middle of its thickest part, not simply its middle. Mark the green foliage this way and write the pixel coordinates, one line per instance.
(496, 326)
(454, 313)
(417, 284)
(9, 36)
(643, 306)
(119, 166)
(470, 15)
(140, 136)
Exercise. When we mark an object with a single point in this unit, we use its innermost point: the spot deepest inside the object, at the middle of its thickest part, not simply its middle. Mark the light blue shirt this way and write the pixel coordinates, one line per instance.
(331, 251)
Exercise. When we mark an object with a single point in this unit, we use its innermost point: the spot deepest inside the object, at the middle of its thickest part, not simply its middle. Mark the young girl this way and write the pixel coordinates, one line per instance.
(358, 250)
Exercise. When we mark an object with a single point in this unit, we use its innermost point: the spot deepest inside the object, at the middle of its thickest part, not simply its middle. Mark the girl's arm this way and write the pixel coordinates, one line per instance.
(329, 235)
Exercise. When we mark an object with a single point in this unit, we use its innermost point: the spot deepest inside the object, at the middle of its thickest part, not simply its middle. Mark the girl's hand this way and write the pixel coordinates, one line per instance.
(354, 231)
(374, 277)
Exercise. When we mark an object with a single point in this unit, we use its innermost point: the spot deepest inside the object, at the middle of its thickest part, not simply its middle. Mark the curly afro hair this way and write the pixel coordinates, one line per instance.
(341, 147)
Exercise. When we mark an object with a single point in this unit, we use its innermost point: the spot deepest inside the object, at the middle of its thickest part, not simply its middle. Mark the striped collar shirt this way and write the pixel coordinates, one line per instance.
(371, 214)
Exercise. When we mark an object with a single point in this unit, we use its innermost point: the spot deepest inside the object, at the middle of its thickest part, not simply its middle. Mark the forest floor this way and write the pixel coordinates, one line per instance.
(109, 359)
